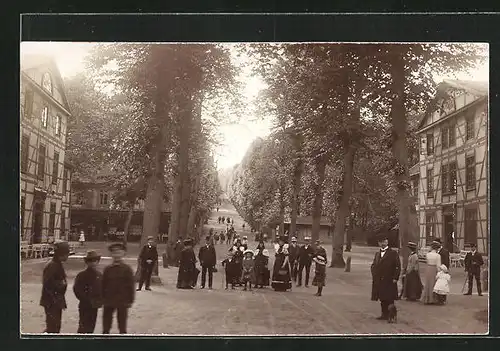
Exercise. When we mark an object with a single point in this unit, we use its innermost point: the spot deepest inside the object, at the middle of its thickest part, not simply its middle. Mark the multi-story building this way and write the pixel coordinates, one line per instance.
(45, 176)
(453, 187)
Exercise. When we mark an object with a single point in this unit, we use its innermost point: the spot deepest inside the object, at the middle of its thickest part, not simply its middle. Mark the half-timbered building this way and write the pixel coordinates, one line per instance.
(453, 179)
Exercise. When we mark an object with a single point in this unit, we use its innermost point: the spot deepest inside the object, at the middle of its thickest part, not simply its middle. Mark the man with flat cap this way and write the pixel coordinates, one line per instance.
(54, 287)
(473, 262)
(148, 259)
(385, 270)
(208, 260)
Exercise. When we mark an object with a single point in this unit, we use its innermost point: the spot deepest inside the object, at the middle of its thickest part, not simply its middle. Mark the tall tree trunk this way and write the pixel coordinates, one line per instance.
(399, 147)
(343, 208)
(320, 167)
(282, 210)
(192, 219)
(184, 136)
(130, 213)
(297, 174)
(173, 231)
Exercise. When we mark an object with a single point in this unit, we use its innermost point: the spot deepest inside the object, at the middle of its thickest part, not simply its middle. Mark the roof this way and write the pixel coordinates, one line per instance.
(478, 88)
(307, 220)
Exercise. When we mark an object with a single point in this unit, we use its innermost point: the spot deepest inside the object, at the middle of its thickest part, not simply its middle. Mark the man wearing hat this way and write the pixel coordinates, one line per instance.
(412, 284)
(208, 260)
(188, 273)
(473, 262)
(54, 288)
(118, 289)
(445, 254)
(148, 258)
(293, 251)
(306, 254)
(88, 290)
(385, 269)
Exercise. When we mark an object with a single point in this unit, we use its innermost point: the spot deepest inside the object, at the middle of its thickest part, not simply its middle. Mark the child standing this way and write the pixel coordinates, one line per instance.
(229, 268)
(87, 289)
(54, 288)
(247, 276)
(442, 286)
(319, 274)
(82, 238)
(118, 289)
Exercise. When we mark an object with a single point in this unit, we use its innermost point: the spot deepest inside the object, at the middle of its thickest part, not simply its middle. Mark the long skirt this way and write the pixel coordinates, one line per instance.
(413, 286)
(282, 279)
(429, 281)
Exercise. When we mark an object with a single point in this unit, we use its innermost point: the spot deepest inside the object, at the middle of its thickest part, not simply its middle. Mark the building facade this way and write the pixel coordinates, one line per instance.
(45, 177)
(453, 179)
(304, 228)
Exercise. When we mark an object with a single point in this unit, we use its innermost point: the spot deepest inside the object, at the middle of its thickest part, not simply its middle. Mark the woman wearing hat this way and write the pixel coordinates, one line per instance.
(248, 274)
(319, 273)
(188, 273)
(282, 280)
(433, 260)
(261, 262)
(412, 288)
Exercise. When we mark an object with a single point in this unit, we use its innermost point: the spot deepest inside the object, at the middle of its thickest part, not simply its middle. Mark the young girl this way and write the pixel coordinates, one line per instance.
(247, 275)
(320, 274)
(442, 286)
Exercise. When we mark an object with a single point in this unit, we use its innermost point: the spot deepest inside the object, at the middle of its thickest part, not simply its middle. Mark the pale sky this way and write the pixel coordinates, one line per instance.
(235, 138)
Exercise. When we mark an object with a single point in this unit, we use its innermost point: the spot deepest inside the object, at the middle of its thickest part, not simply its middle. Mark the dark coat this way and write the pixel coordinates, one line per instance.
(54, 285)
(207, 256)
(293, 252)
(321, 251)
(118, 285)
(187, 275)
(385, 270)
(473, 262)
(445, 257)
(306, 255)
(88, 288)
(148, 253)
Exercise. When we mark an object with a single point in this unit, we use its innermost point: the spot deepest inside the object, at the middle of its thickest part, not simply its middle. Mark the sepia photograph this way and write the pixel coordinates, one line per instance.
(254, 189)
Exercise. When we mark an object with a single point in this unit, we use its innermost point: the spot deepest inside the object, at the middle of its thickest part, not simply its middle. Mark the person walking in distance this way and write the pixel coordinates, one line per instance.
(208, 260)
(54, 287)
(293, 251)
(81, 239)
(473, 262)
(148, 259)
(306, 254)
(88, 290)
(385, 270)
(118, 290)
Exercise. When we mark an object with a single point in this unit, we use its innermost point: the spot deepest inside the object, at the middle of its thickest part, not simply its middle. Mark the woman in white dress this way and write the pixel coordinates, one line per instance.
(433, 262)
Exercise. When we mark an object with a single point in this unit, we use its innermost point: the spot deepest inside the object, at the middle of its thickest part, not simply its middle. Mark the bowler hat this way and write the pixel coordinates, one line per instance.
(61, 248)
(438, 240)
(117, 246)
(382, 237)
(188, 242)
(207, 237)
(92, 256)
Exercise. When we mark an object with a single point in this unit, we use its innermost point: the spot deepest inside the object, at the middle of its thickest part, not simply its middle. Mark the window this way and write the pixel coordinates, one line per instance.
(28, 103)
(103, 198)
(445, 176)
(470, 234)
(65, 179)
(415, 186)
(63, 224)
(23, 205)
(449, 178)
(41, 162)
(45, 116)
(430, 226)
(469, 127)
(58, 125)
(448, 136)
(430, 144)
(430, 183)
(470, 175)
(25, 153)
(47, 82)
(55, 168)
(452, 135)
(52, 218)
(444, 137)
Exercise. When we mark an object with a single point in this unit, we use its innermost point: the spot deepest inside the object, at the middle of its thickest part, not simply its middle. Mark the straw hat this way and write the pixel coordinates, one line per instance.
(320, 259)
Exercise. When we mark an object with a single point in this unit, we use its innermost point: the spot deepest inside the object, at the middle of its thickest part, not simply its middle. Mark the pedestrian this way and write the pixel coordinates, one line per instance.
(222, 237)
(81, 239)
(473, 262)
(433, 260)
(223, 219)
(244, 242)
(248, 273)
(319, 274)
(230, 269)
(261, 266)
(320, 250)
(385, 270)
(412, 286)
(178, 247)
(228, 220)
(218, 219)
(445, 254)
(442, 286)
(216, 237)
(148, 258)
(306, 254)
(54, 287)
(229, 237)
(293, 250)
(217, 209)
(188, 273)
(207, 258)
(243, 226)
(282, 279)
(118, 290)
(88, 290)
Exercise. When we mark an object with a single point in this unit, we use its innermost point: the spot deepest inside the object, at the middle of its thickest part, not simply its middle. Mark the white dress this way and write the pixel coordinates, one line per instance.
(442, 286)
(433, 262)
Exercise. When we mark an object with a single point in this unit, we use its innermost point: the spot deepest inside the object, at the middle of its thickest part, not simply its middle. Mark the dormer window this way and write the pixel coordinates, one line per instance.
(47, 82)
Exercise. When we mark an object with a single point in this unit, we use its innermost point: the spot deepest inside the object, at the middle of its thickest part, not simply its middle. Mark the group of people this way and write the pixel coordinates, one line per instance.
(386, 270)
(223, 220)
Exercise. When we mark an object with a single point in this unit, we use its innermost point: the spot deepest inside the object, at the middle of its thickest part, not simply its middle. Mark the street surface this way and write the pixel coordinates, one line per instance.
(344, 308)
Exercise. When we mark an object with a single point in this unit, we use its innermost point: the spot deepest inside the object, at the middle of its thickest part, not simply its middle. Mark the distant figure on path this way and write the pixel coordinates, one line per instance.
(385, 270)
(188, 273)
(433, 262)
(148, 257)
(412, 285)
(217, 208)
(223, 219)
(218, 219)
(473, 262)
(177, 250)
(208, 260)
(282, 279)
(228, 220)
(222, 237)
(81, 239)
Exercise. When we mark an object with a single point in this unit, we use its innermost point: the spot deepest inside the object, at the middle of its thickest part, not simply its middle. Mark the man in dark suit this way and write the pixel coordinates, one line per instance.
(306, 254)
(473, 262)
(385, 269)
(148, 258)
(207, 260)
(445, 254)
(293, 251)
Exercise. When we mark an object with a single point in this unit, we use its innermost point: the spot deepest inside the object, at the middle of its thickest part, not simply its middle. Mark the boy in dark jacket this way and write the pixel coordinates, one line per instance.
(54, 288)
(148, 258)
(87, 289)
(118, 290)
(230, 269)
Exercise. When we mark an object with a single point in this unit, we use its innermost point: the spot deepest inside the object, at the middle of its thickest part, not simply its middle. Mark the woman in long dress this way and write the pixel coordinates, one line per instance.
(282, 279)
(412, 289)
(188, 273)
(261, 262)
(433, 262)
